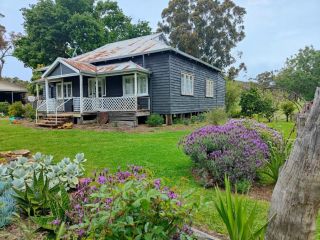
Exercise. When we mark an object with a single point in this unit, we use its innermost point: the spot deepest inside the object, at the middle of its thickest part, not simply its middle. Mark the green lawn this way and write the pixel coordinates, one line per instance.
(158, 151)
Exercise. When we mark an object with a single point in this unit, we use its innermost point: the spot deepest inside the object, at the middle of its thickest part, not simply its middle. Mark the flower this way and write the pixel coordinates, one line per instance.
(102, 179)
(56, 222)
(172, 195)
(157, 183)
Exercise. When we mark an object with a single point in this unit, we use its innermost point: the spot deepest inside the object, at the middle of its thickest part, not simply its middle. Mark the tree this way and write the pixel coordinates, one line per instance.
(301, 73)
(233, 93)
(265, 79)
(5, 45)
(205, 29)
(64, 28)
(251, 102)
(288, 109)
(268, 105)
(295, 199)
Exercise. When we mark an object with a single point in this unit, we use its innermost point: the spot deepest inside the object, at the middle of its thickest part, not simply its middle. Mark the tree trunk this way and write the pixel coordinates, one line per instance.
(296, 197)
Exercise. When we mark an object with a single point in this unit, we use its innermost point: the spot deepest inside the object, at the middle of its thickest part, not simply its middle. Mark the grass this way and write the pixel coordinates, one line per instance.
(157, 151)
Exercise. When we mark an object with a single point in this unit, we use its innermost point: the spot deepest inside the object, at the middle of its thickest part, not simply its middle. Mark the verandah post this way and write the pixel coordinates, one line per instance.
(47, 94)
(81, 93)
(136, 88)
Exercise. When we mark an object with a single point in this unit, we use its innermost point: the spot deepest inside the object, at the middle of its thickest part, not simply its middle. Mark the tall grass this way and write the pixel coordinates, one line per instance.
(233, 211)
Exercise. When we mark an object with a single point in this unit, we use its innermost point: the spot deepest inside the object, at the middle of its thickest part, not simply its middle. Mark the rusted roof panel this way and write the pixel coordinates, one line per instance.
(105, 69)
(150, 43)
(82, 66)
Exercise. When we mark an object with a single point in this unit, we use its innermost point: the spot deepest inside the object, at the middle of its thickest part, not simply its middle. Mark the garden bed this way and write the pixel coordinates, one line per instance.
(156, 150)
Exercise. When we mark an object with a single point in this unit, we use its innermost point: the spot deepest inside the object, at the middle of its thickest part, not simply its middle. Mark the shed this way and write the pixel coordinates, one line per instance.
(11, 92)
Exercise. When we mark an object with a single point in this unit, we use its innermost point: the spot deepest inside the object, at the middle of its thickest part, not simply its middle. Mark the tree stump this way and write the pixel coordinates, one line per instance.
(296, 197)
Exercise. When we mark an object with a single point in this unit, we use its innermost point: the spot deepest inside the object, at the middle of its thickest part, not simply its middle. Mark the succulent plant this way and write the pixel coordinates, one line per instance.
(7, 203)
(65, 172)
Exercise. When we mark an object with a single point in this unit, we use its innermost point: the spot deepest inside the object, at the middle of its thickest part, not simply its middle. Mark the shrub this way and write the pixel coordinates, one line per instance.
(30, 112)
(278, 156)
(288, 109)
(233, 211)
(127, 205)
(155, 120)
(7, 204)
(216, 116)
(4, 108)
(16, 109)
(243, 186)
(269, 135)
(65, 172)
(233, 149)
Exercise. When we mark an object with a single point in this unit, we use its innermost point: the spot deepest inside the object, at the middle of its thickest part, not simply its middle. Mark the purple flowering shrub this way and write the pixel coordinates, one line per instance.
(237, 149)
(127, 205)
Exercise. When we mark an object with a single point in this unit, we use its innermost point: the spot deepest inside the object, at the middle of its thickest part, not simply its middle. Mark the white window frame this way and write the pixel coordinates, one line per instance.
(209, 88)
(60, 94)
(139, 77)
(131, 77)
(101, 81)
(65, 87)
(187, 84)
(145, 78)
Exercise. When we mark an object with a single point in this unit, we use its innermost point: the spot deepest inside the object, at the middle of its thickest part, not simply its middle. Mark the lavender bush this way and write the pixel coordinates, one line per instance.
(127, 205)
(238, 149)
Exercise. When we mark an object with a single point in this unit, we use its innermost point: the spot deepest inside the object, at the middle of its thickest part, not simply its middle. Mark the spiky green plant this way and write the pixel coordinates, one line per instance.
(34, 199)
(277, 159)
(233, 212)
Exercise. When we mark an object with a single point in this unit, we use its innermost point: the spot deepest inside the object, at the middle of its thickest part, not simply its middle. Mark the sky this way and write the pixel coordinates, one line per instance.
(275, 30)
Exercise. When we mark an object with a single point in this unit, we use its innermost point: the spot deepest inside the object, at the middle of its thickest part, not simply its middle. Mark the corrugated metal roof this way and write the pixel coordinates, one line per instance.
(105, 69)
(140, 45)
(6, 86)
(134, 47)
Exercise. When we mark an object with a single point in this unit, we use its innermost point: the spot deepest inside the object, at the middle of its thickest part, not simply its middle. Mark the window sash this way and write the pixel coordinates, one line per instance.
(66, 92)
(209, 88)
(187, 84)
(128, 85)
(142, 85)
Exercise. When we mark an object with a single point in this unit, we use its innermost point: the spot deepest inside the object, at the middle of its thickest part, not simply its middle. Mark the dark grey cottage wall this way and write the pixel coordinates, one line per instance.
(198, 102)
(158, 64)
(165, 83)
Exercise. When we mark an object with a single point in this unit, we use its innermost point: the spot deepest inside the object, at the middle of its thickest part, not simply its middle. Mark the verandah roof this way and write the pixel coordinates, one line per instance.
(6, 86)
(77, 67)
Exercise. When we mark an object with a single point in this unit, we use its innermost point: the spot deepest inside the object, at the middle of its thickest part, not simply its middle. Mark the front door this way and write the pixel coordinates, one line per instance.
(92, 87)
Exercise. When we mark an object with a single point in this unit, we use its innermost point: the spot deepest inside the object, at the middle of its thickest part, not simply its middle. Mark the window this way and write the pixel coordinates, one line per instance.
(187, 81)
(209, 88)
(92, 87)
(142, 85)
(129, 86)
(65, 92)
(59, 90)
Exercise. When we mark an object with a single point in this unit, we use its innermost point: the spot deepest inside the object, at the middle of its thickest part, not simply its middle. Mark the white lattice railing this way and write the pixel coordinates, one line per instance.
(110, 104)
